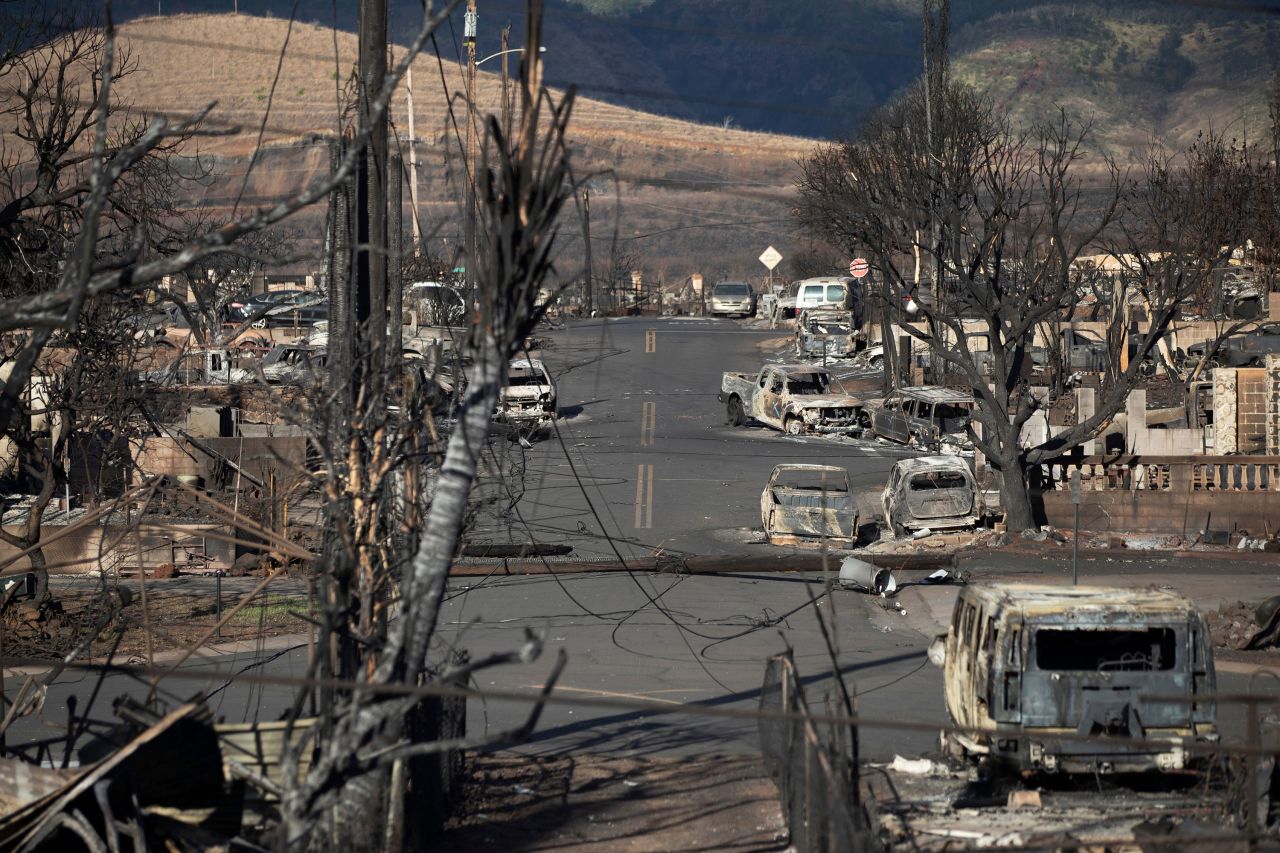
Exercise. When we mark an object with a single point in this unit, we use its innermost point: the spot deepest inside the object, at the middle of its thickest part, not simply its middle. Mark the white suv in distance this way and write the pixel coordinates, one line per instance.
(731, 298)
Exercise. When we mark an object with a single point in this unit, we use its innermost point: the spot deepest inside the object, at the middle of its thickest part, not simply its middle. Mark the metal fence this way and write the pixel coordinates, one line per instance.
(816, 776)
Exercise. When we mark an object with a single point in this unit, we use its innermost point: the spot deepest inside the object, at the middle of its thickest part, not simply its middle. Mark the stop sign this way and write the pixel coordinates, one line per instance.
(859, 267)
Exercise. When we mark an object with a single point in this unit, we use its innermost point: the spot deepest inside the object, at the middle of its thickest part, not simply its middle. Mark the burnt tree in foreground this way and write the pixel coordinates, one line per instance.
(384, 571)
(1007, 218)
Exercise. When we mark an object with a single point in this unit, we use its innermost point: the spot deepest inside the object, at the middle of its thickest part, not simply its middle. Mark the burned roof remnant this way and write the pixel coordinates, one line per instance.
(1059, 679)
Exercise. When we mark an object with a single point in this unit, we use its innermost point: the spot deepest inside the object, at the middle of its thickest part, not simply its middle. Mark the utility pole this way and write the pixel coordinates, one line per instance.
(586, 239)
(413, 163)
(469, 223)
(936, 16)
(371, 232)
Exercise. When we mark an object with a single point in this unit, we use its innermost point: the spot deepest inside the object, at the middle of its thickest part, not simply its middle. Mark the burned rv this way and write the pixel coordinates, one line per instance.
(1077, 679)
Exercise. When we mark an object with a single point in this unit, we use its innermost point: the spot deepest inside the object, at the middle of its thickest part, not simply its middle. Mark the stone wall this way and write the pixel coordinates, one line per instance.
(1240, 409)
(1271, 402)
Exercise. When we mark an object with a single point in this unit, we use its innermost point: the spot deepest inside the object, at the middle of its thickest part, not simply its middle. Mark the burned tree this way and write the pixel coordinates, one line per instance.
(380, 562)
(1005, 217)
(62, 214)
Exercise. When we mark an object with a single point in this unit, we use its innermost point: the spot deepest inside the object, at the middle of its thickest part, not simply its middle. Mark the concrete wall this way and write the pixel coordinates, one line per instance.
(285, 456)
(1144, 441)
(1151, 511)
(86, 549)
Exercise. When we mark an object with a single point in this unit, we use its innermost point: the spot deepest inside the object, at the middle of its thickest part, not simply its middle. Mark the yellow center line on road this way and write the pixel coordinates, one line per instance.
(649, 695)
(651, 340)
(648, 423)
(644, 497)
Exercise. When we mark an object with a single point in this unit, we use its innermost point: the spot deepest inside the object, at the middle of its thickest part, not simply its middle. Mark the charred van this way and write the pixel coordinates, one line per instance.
(1078, 679)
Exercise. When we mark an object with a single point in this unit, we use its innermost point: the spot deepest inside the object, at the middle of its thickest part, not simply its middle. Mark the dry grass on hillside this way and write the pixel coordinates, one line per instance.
(186, 60)
(1109, 75)
(678, 181)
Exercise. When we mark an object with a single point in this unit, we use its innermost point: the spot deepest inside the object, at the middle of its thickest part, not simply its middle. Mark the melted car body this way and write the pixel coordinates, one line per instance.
(809, 505)
(934, 492)
(795, 398)
(529, 398)
(826, 333)
(1078, 679)
(925, 416)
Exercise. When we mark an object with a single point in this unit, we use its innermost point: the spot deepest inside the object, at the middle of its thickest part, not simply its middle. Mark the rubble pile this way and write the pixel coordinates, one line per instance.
(1231, 625)
(1238, 626)
(27, 622)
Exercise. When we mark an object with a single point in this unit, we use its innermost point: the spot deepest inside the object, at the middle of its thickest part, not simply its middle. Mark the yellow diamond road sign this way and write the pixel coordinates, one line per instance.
(770, 257)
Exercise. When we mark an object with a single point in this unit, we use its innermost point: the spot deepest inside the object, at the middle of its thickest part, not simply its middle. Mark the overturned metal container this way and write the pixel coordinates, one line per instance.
(859, 574)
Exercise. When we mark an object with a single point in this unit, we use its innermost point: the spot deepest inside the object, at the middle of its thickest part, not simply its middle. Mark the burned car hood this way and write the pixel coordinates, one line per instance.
(526, 392)
(826, 401)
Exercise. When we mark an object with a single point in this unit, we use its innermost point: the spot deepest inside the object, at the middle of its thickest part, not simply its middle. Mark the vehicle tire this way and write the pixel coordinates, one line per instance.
(792, 426)
(876, 362)
(737, 417)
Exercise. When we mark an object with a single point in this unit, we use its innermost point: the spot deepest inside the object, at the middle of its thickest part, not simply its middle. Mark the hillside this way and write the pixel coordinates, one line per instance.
(676, 177)
(703, 195)
(816, 67)
(1138, 77)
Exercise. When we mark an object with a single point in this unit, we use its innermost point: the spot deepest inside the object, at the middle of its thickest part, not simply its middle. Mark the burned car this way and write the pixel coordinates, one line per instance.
(795, 398)
(1032, 667)
(1245, 350)
(931, 492)
(294, 364)
(926, 416)
(528, 401)
(826, 333)
(809, 505)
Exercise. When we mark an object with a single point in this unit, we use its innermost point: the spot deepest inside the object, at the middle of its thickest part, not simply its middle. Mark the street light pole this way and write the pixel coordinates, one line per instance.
(413, 163)
(469, 224)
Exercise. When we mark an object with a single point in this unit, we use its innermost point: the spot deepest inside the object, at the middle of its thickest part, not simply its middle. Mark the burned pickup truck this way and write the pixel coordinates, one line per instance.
(809, 505)
(826, 333)
(1077, 679)
(795, 398)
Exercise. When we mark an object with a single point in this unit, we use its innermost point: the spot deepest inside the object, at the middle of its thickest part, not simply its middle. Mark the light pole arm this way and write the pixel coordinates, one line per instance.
(541, 49)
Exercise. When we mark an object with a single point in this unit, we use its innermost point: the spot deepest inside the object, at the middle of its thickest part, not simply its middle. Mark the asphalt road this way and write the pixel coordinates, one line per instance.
(643, 460)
